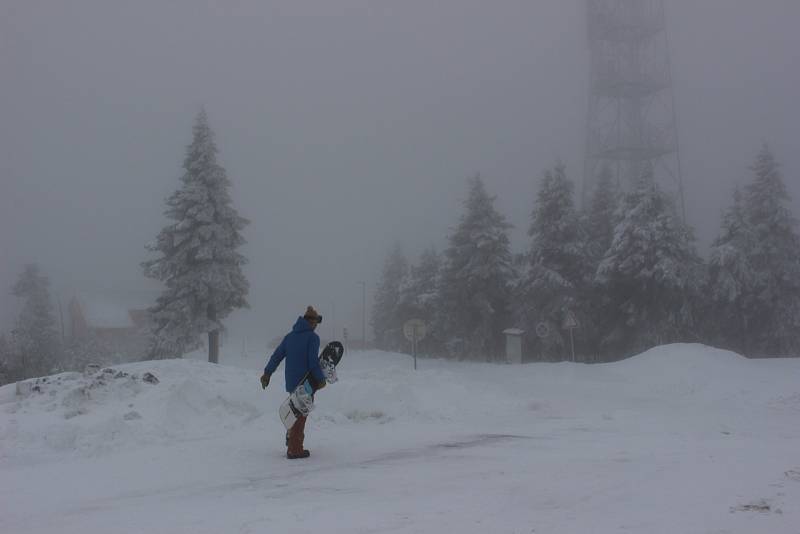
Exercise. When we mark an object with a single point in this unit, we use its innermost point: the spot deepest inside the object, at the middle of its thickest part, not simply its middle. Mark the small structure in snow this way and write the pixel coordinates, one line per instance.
(513, 345)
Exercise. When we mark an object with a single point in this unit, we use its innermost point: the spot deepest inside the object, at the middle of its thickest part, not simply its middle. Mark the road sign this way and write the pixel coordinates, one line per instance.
(570, 321)
(542, 329)
(415, 329)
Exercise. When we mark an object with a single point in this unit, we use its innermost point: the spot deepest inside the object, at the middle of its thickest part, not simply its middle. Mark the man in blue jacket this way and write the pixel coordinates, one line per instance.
(300, 347)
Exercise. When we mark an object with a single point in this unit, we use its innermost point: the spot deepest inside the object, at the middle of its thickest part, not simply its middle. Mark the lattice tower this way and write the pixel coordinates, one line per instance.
(632, 123)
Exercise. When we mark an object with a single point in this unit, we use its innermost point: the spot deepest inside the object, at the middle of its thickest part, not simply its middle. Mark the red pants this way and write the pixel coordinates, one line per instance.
(296, 436)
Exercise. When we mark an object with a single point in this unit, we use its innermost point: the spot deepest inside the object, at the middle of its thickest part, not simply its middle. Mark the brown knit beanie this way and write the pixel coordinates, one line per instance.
(311, 313)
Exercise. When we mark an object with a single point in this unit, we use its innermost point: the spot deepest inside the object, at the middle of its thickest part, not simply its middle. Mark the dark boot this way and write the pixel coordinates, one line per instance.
(296, 438)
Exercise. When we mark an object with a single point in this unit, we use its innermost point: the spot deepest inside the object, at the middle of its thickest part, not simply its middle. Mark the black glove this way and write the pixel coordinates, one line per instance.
(264, 381)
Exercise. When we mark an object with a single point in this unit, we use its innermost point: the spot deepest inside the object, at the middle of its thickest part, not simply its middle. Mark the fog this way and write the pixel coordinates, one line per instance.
(344, 126)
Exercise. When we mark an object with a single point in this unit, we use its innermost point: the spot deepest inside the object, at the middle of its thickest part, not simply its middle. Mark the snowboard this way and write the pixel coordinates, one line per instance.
(300, 402)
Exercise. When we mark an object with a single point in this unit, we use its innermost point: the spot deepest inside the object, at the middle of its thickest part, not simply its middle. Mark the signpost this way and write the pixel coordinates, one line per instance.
(570, 323)
(415, 330)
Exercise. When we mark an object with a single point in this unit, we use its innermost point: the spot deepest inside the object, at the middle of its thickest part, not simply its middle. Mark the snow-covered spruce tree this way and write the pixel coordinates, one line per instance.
(198, 260)
(476, 276)
(651, 275)
(774, 257)
(425, 283)
(598, 221)
(419, 296)
(35, 345)
(557, 269)
(387, 324)
(730, 281)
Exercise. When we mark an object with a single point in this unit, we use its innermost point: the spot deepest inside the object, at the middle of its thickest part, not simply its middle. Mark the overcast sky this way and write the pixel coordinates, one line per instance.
(344, 125)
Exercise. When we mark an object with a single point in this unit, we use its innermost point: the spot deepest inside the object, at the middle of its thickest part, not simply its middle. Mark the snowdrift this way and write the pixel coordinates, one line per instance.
(161, 402)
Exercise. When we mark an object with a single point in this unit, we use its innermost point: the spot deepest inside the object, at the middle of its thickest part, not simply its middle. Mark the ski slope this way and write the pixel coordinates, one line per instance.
(681, 439)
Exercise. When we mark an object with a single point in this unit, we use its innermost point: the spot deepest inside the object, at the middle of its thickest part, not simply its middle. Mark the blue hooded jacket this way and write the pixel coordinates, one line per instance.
(300, 347)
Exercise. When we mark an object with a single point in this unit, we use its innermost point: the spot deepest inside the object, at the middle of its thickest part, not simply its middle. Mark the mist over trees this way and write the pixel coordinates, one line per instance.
(419, 294)
(626, 267)
(197, 261)
(38, 346)
(754, 267)
(475, 292)
(34, 347)
(650, 276)
(387, 316)
(557, 268)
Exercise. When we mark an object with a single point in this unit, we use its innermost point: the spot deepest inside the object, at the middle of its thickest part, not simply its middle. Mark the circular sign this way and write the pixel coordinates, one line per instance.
(542, 329)
(415, 329)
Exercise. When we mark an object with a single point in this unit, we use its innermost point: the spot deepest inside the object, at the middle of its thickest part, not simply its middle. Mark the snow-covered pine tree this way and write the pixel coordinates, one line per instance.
(35, 345)
(730, 280)
(557, 270)
(419, 295)
(425, 277)
(387, 324)
(600, 215)
(774, 257)
(598, 220)
(476, 276)
(651, 275)
(198, 259)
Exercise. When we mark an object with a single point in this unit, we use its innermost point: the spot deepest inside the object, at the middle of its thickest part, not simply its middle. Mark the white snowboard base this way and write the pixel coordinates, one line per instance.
(287, 414)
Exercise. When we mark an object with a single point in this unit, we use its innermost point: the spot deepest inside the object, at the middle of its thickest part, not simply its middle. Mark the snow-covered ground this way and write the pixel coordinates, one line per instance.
(682, 439)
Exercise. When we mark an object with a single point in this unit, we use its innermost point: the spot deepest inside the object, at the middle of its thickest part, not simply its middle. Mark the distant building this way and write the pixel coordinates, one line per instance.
(120, 328)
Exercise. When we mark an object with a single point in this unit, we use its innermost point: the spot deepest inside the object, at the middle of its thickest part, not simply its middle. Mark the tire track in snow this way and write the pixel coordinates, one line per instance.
(432, 452)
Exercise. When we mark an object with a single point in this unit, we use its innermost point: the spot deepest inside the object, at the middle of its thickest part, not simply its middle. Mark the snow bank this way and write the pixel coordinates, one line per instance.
(124, 407)
(698, 373)
(118, 409)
